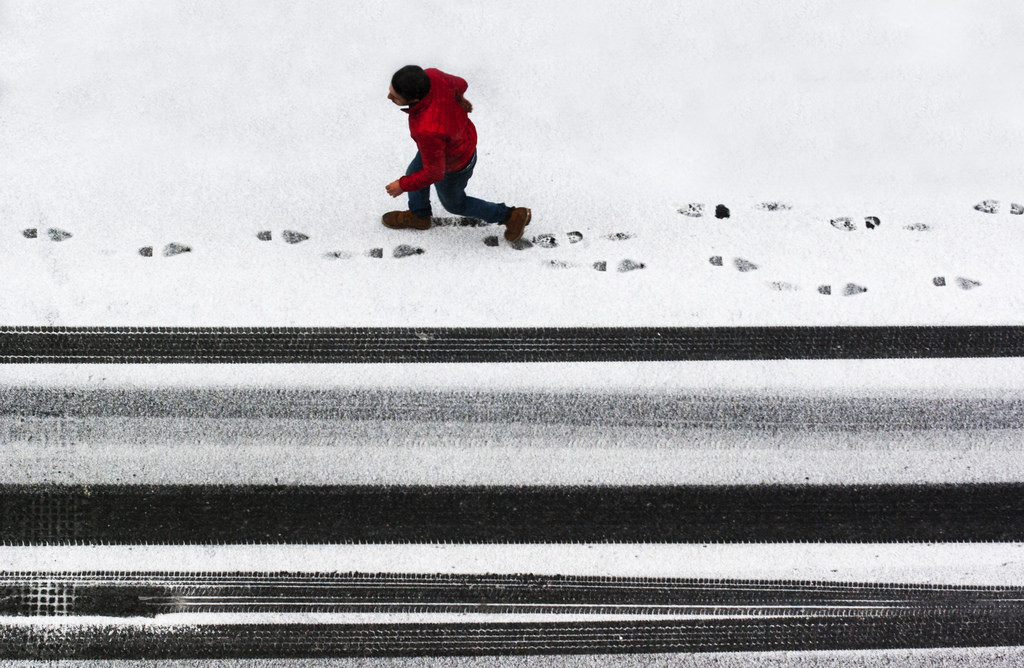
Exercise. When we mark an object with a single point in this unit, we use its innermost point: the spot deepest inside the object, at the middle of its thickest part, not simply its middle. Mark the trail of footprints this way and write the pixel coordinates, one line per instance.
(743, 265)
(292, 237)
(849, 290)
(400, 251)
(552, 241)
(548, 240)
(845, 224)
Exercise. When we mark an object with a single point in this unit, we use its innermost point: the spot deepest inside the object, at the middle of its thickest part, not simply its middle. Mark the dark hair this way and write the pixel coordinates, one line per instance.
(411, 82)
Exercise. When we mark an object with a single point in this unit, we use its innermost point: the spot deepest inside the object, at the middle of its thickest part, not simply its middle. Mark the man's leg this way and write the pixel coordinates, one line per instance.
(452, 193)
(419, 201)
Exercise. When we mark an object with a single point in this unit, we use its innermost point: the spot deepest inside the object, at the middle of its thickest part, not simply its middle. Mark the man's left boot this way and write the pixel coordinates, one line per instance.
(401, 220)
(518, 219)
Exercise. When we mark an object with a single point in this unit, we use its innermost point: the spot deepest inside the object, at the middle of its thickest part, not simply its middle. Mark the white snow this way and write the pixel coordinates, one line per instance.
(203, 124)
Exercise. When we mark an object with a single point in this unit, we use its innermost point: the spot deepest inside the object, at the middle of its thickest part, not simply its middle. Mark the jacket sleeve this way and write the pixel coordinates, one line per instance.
(432, 153)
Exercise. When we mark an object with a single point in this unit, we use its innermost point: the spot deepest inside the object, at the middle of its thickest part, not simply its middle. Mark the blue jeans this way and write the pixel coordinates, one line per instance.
(451, 190)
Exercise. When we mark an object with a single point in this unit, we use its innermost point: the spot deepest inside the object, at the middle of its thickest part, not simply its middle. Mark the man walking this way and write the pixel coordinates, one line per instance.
(446, 138)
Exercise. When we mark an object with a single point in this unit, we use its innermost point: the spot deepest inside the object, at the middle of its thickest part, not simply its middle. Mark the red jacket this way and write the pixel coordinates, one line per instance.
(442, 131)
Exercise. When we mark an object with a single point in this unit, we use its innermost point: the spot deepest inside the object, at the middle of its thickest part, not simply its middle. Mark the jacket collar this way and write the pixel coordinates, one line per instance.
(421, 106)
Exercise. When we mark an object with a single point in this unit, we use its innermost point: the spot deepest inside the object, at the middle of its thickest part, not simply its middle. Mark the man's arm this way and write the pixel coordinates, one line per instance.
(460, 85)
(432, 153)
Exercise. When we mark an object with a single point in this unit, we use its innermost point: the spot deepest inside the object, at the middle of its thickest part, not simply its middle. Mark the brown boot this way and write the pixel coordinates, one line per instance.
(518, 219)
(400, 220)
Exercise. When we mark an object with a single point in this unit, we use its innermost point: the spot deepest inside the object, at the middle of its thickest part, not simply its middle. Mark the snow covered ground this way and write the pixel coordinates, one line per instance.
(204, 124)
(134, 125)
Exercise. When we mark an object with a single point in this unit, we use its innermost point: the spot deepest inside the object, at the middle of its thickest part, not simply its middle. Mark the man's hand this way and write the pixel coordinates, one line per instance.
(394, 189)
(464, 103)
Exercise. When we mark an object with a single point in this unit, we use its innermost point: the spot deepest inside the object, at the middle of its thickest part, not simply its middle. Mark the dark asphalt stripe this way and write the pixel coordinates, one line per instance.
(365, 640)
(465, 344)
(364, 514)
(678, 410)
(120, 594)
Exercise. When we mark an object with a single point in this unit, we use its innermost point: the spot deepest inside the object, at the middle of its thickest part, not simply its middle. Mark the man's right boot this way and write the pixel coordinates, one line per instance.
(401, 220)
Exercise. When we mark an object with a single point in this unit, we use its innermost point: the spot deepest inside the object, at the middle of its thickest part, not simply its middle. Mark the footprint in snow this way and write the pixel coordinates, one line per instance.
(405, 250)
(492, 241)
(545, 241)
(338, 255)
(716, 260)
(987, 206)
(575, 237)
(521, 244)
(172, 249)
(773, 206)
(917, 227)
(292, 237)
(630, 265)
(744, 265)
(618, 236)
(783, 286)
(377, 253)
(1017, 209)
